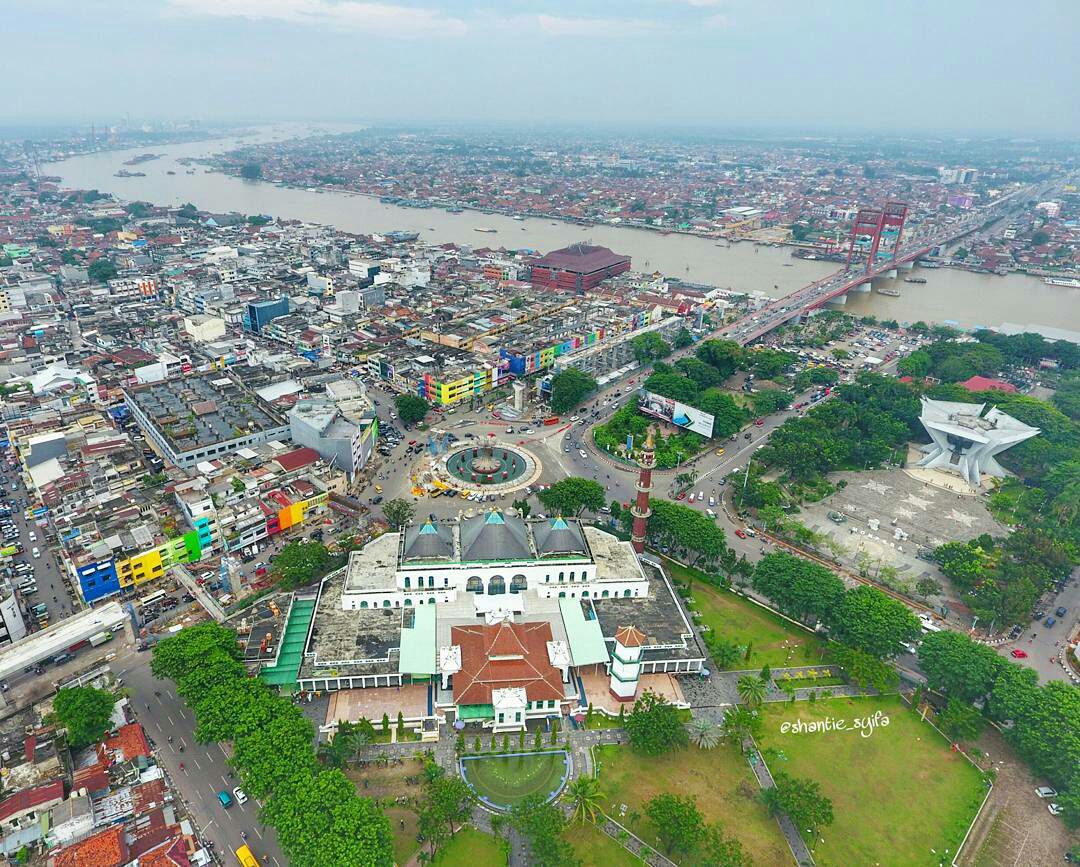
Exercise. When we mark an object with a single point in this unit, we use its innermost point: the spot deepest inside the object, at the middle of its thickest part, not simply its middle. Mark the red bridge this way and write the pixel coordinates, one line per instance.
(870, 232)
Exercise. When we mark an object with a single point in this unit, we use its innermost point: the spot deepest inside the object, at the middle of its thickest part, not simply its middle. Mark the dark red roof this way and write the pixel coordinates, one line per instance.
(983, 383)
(296, 459)
(581, 258)
(29, 798)
(502, 657)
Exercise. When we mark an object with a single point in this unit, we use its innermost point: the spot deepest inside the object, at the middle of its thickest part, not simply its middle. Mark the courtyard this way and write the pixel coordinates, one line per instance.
(900, 796)
(877, 504)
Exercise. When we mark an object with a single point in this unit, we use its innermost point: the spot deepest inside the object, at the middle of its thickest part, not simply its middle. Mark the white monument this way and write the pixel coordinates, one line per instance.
(626, 663)
(965, 441)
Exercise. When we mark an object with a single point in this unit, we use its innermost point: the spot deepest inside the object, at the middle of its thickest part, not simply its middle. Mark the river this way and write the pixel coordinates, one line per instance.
(949, 295)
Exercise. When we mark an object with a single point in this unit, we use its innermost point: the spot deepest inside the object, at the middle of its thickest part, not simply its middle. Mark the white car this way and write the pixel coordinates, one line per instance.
(583, 453)
(509, 430)
(239, 795)
(32, 536)
(1055, 809)
(36, 553)
(1046, 792)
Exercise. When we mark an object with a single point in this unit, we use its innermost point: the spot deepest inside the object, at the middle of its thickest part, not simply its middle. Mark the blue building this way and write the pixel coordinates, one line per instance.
(98, 580)
(261, 312)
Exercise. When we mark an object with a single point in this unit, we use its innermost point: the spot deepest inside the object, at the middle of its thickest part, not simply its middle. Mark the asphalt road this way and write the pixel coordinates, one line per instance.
(52, 591)
(205, 769)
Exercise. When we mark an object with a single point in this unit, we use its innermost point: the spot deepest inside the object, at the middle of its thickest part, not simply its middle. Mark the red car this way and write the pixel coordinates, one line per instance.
(681, 495)
(1017, 653)
(740, 534)
(759, 422)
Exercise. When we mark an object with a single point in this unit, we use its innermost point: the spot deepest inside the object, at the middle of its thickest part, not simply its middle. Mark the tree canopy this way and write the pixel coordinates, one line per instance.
(572, 495)
(85, 713)
(655, 726)
(570, 387)
(411, 408)
(300, 563)
(801, 589)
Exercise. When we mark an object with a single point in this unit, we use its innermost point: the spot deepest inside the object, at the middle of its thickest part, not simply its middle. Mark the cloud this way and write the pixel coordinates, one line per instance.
(381, 19)
(556, 25)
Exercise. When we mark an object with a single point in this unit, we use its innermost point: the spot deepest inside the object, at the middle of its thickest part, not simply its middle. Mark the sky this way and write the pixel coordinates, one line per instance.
(979, 67)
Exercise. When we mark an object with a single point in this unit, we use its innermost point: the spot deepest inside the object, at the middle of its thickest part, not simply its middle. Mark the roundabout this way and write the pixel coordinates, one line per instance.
(493, 467)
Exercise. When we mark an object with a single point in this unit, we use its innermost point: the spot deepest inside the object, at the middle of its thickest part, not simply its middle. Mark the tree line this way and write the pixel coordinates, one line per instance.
(1039, 721)
(320, 819)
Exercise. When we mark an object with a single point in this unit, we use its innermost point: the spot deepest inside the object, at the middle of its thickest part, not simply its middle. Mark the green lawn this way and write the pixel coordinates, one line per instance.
(721, 781)
(471, 848)
(896, 794)
(405, 844)
(595, 848)
(773, 640)
(506, 780)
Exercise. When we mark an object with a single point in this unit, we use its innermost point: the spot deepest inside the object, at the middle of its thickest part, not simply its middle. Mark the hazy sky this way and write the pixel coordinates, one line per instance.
(889, 65)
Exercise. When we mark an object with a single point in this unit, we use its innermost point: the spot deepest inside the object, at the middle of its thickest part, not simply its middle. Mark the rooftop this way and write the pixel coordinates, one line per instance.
(582, 258)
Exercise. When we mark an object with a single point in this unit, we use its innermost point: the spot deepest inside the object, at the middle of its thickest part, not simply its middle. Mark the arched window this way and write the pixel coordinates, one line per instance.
(584, 594)
(626, 592)
(363, 603)
(386, 603)
(408, 602)
(562, 593)
(571, 574)
(604, 595)
(408, 582)
(496, 585)
(518, 583)
(475, 584)
(430, 580)
(431, 600)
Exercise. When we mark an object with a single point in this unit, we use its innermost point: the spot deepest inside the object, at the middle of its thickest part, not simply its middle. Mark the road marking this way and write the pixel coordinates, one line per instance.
(196, 761)
(221, 746)
(259, 833)
(184, 715)
(171, 722)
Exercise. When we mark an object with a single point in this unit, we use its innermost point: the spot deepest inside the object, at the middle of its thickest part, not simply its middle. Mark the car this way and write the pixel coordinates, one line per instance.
(701, 496)
(61, 658)
(1017, 653)
(712, 501)
(238, 793)
(226, 800)
(1055, 809)
(1016, 632)
(759, 422)
(583, 453)
(412, 442)
(1061, 611)
(35, 552)
(32, 536)
(1046, 792)
(510, 430)
(720, 451)
(741, 534)
(1049, 622)
(681, 495)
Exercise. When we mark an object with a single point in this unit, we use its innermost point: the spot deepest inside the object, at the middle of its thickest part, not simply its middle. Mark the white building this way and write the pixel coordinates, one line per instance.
(965, 441)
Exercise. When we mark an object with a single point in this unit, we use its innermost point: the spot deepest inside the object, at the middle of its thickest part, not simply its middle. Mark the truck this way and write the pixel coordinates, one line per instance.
(99, 638)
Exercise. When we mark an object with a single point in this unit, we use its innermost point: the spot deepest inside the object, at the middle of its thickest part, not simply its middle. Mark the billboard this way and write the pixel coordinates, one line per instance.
(676, 413)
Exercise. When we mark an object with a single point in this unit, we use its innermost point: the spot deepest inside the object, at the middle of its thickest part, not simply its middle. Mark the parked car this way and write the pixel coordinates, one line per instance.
(1046, 792)
(226, 800)
(1049, 622)
(1017, 653)
(1055, 809)
(1061, 611)
(238, 793)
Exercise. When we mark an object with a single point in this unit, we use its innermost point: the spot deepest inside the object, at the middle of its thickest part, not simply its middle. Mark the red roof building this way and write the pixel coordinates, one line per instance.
(107, 849)
(505, 656)
(579, 267)
(27, 801)
(983, 383)
(296, 459)
(128, 743)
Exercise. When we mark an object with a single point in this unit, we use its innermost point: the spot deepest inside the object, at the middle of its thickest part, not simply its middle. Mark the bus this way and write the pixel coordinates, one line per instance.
(244, 856)
(151, 598)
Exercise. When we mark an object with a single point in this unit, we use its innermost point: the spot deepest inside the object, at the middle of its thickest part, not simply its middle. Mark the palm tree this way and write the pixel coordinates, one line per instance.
(739, 724)
(585, 798)
(751, 690)
(704, 734)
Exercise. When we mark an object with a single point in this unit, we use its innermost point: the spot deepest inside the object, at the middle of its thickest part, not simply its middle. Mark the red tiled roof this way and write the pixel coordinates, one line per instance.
(171, 854)
(27, 799)
(30, 747)
(630, 636)
(580, 258)
(296, 459)
(504, 656)
(984, 383)
(107, 849)
(129, 742)
(93, 779)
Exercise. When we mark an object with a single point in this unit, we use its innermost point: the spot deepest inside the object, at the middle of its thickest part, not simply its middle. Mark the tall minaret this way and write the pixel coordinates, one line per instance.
(640, 510)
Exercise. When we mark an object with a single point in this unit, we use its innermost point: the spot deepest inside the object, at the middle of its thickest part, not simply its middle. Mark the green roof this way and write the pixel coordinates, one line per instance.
(418, 642)
(586, 640)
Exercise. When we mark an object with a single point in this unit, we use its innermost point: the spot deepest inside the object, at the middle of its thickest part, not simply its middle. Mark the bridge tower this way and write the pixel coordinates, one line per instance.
(893, 216)
(867, 225)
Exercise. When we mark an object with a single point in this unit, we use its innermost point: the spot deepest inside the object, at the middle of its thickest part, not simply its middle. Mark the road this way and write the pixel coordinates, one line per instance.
(1043, 644)
(206, 772)
(52, 589)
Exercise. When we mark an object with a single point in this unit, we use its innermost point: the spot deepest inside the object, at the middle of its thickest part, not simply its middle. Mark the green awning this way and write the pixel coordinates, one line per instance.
(475, 711)
(586, 640)
(418, 642)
